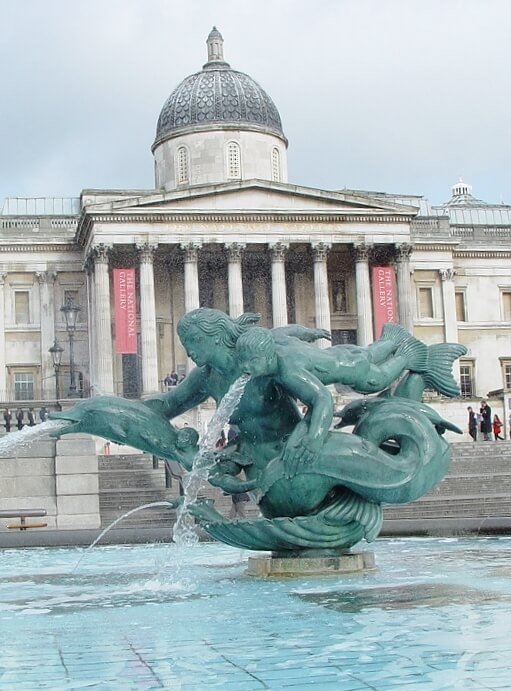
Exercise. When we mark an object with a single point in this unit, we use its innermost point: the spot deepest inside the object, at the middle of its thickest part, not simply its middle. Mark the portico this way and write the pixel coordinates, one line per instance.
(309, 264)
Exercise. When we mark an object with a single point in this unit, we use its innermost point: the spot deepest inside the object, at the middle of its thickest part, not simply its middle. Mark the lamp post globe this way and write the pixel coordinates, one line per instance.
(56, 355)
(70, 312)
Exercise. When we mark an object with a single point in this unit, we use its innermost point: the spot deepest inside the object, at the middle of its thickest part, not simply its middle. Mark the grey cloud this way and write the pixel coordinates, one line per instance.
(396, 95)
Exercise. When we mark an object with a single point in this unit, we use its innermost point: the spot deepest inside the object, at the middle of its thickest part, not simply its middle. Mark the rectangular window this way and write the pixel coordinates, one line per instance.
(467, 379)
(460, 307)
(23, 386)
(507, 376)
(21, 307)
(506, 305)
(233, 161)
(426, 303)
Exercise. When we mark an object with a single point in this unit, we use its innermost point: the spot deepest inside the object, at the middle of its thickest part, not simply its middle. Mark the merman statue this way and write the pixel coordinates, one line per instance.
(317, 488)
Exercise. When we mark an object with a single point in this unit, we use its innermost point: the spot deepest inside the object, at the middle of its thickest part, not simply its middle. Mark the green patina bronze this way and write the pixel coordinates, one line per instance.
(319, 489)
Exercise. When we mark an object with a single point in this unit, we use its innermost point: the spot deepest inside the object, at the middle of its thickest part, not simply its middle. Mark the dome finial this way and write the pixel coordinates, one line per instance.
(215, 44)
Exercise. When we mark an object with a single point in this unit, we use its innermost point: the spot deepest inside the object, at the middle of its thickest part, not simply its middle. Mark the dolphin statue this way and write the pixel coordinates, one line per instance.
(129, 422)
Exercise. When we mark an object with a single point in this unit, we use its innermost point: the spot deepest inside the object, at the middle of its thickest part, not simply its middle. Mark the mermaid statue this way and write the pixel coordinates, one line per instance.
(319, 489)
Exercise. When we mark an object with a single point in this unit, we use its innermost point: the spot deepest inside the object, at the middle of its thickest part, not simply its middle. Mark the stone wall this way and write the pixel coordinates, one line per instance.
(58, 476)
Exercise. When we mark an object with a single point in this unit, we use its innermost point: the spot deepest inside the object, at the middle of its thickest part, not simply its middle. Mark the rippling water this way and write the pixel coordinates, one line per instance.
(433, 615)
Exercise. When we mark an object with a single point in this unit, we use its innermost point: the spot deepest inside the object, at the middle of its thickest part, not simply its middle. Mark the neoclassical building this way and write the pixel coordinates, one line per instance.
(224, 228)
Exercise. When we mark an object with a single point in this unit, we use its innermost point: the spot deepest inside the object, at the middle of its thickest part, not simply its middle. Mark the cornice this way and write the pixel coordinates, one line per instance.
(41, 248)
(482, 253)
(435, 246)
(208, 217)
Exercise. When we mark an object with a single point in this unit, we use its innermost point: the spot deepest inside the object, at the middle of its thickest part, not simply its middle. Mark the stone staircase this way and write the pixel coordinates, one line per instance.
(127, 482)
(476, 493)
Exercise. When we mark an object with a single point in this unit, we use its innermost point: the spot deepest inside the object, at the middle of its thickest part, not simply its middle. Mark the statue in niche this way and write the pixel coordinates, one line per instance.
(317, 488)
(339, 296)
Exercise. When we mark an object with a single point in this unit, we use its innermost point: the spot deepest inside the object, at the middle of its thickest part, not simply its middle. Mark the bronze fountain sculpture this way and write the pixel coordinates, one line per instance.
(319, 489)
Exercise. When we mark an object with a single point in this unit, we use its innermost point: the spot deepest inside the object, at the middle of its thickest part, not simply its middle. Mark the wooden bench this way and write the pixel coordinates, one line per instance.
(23, 514)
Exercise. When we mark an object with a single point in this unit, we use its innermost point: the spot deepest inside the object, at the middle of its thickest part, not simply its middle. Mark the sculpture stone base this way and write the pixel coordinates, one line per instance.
(277, 565)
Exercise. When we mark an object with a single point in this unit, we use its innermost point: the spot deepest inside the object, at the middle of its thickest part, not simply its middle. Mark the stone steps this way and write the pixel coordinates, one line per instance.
(127, 482)
(478, 486)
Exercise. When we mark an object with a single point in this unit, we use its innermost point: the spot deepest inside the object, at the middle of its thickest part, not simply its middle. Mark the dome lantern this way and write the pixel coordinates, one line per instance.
(461, 188)
(215, 43)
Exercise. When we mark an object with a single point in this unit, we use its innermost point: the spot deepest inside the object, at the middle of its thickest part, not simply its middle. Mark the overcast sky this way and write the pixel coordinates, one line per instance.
(401, 96)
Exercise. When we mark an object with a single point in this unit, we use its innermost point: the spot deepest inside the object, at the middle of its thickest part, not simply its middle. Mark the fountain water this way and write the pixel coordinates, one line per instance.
(184, 528)
(9, 443)
(435, 615)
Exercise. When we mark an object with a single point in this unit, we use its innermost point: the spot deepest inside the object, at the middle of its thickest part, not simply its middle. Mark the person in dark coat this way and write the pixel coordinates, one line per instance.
(7, 419)
(486, 424)
(31, 417)
(43, 414)
(472, 423)
(19, 418)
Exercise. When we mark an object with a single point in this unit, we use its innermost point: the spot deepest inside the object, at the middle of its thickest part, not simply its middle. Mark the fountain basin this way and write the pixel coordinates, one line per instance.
(433, 615)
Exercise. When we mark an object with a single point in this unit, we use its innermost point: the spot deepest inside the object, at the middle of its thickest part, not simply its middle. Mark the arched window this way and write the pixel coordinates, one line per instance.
(233, 161)
(275, 165)
(183, 168)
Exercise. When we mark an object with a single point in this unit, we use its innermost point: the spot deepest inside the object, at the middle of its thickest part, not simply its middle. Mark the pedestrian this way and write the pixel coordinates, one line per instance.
(232, 435)
(31, 417)
(497, 427)
(173, 378)
(472, 423)
(221, 441)
(7, 419)
(486, 426)
(19, 418)
(167, 381)
(43, 414)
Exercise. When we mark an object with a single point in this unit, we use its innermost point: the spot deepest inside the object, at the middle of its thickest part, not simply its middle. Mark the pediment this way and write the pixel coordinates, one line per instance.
(251, 196)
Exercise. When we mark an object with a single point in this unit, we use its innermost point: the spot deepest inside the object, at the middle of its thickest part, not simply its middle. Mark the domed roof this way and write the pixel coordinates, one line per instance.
(218, 95)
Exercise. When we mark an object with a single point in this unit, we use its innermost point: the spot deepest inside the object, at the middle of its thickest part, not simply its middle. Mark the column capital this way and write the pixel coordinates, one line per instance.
(447, 274)
(278, 251)
(362, 252)
(146, 251)
(46, 277)
(191, 251)
(100, 254)
(234, 251)
(403, 252)
(320, 251)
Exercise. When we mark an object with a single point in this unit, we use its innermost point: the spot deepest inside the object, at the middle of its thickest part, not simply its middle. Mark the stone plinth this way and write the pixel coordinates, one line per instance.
(76, 483)
(349, 562)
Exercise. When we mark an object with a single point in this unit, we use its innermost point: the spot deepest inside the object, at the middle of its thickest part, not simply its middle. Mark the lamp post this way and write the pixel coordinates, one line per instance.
(70, 313)
(56, 355)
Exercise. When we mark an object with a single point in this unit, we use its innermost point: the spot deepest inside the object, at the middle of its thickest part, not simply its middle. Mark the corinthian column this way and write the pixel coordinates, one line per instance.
(3, 377)
(191, 276)
(404, 289)
(104, 377)
(278, 284)
(47, 317)
(364, 305)
(148, 333)
(235, 280)
(321, 293)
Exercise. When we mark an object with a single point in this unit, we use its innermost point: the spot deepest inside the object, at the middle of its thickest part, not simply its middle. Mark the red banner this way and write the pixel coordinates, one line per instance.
(125, 311)
(384, 297)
